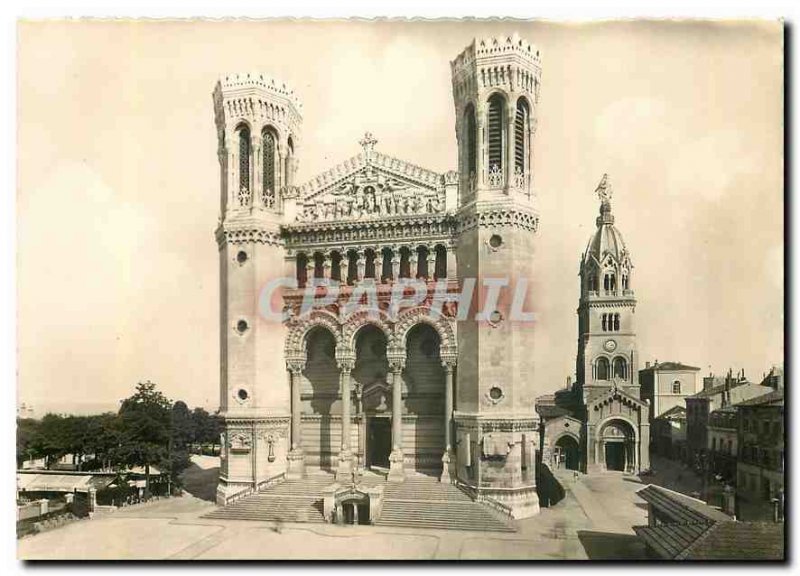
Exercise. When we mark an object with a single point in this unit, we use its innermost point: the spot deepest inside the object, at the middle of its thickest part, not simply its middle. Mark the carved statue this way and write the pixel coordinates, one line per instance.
(604, 190)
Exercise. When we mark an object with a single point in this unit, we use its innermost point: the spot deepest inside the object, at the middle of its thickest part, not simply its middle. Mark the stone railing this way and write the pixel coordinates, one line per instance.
(250, 490)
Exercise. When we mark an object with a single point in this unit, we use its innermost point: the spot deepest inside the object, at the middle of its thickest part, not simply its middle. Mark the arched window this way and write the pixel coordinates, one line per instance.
(494, 122)
(268, 149)
(441, 262)
(369, 263)
(605, 316)
(405, 263)
(386, 272)
(336, 266)
(471, 142)
(616, 322)
(676, 387)
(244, 165)
(288, 174)
(352, 267)
(319, 265)
(602, 368)
(422, 262)
(620, 368)
(624, 281)
(302, 272)
(520, 140)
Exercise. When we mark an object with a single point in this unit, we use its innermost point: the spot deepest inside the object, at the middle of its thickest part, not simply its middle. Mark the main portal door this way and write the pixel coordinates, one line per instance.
(379, 442)
(615, 456)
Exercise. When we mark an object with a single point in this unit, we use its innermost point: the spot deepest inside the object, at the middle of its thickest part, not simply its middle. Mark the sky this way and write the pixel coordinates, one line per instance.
(118, 181)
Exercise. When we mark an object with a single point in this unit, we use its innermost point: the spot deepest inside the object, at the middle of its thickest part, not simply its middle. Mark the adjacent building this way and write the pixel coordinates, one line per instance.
(666, 384)
(668, 433)
(722, 447)
(715, 394)
(760, 467)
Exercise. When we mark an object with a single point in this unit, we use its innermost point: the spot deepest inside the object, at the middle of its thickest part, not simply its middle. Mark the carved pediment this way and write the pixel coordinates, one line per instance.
(377, 397)
(371, 186)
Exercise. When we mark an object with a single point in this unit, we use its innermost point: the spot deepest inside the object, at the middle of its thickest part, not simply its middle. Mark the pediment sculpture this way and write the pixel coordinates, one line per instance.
(371, 194)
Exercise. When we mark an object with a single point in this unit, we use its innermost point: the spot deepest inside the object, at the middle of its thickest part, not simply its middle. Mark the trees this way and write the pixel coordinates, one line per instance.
(145, 430)
(27, 431)
(206, 426)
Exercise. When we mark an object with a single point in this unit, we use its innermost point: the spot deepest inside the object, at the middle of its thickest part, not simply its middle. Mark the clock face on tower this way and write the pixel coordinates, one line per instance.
(610, 345)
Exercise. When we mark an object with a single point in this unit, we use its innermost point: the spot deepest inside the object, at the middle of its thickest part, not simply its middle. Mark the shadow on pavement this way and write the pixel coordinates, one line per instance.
(201, 482)
(611, 546)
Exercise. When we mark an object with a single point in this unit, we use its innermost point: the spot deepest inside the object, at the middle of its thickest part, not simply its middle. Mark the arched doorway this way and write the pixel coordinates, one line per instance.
(617, 444)
(321, 373)
(424, 379)
(373, 397)
(567, 453)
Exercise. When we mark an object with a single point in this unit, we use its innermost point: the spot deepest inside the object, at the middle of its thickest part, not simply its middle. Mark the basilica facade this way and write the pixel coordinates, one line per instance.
(355, 381)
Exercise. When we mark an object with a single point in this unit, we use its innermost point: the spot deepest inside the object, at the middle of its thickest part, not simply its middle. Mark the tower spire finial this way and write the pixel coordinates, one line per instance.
(604, 190)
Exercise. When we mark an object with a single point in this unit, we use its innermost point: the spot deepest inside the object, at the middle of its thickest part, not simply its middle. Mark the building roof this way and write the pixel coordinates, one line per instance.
(669, 367)
(727, 540)
(673, 413)
(769, 399)
(718, 389)
(62, 482)
(697, 531)
(679, 507)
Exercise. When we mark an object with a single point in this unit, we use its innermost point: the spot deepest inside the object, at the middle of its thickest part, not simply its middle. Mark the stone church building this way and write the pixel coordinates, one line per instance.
(600, 422)
(447, 392)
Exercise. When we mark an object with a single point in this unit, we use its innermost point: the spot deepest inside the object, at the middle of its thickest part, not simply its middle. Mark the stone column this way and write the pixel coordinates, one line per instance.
(344, 265)
(396, 472)
(431, 262)
(395, 263)
(326, 267)
(255, 169)
(511, 111)
(361, 264)
(452, 265)
(295, 458)
(345, 469)
(378, 265)
(310, 270)
(413, 263)
(448, 459)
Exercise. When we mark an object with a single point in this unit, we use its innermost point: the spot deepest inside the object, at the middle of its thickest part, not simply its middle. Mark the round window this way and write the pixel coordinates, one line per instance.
(495, 241)
(241, 257)
(242, 394)
(241, 326)
(496, 317)
(495, 393)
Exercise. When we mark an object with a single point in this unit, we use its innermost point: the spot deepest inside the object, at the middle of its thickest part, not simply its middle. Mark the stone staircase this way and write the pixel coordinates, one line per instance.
(419, 502)
(289, 501)
(424, 502)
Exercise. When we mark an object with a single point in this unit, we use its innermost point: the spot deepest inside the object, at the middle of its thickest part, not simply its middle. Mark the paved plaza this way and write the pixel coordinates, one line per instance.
(592, 521)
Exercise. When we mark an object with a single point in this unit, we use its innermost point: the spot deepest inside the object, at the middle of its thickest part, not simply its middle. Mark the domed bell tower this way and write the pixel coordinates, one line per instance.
(607, 353)
(496, 84)
(258, 125)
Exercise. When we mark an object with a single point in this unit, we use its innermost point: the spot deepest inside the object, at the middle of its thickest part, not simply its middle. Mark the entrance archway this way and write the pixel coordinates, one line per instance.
(617, 446)
(567, 453)
(373, 396)
(322, 376)
(424, 378)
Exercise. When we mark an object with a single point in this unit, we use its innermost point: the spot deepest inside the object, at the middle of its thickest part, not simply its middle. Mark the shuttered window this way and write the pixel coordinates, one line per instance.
(495, 132)
(268, 168)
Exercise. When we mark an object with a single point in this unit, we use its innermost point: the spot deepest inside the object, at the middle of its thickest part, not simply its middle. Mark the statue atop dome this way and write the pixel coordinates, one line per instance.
(604, 190)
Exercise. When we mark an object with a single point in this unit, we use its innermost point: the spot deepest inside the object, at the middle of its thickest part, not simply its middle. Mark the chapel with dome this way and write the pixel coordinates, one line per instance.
(600, 422)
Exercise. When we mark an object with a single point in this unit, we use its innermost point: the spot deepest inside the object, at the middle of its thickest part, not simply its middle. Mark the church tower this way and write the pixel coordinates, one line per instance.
(616, 429)
(606, 310)
(496, 84)
(258, 123)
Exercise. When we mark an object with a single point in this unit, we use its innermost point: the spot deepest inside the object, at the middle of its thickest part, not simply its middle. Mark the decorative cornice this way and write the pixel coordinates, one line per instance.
(510, 216)
(249, 234)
